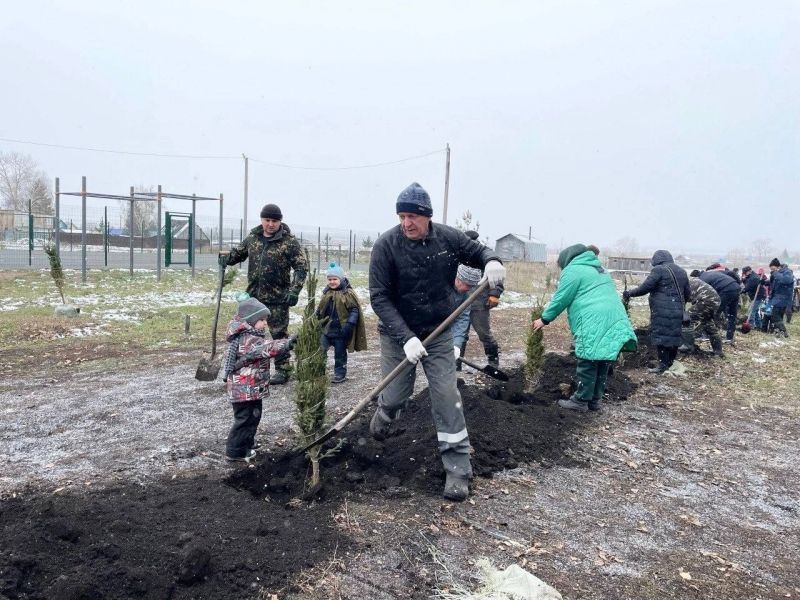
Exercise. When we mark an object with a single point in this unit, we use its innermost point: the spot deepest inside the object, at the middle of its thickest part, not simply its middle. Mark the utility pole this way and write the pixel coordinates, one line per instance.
(446, 185)
(246, 185)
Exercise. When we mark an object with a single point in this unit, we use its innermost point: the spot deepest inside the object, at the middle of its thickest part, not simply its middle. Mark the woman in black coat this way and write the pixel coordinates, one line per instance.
(668, 286)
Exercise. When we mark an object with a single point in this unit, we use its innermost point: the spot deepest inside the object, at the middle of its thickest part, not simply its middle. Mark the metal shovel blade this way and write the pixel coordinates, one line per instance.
(488, 370)
(208, 368)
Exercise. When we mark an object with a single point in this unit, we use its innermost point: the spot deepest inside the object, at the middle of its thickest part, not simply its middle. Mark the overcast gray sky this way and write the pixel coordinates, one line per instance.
(676, 123)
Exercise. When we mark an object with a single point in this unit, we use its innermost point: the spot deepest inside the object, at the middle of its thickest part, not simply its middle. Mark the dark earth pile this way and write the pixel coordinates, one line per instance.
(205, 538)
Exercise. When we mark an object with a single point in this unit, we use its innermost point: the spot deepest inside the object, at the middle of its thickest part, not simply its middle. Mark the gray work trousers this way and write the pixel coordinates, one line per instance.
(479, 319)
(448, 411)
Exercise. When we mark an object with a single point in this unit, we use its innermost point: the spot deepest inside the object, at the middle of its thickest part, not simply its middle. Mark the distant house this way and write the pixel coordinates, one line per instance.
(627, 263)
(515, 247)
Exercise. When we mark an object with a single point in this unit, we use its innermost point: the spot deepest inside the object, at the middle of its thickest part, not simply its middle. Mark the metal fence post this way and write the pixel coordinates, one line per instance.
(105, 235)
(350, 251)
(158, 233)
(30, 232)
(130, 234)
(221, 200)
(192, 229)
(83, 229)
(319, 249)
(58, 217)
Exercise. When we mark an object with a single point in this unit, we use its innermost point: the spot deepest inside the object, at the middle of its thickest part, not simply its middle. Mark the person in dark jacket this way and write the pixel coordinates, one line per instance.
(781, 290)
(273, 254)
(755, 288)
(411, 274)
(479, 319)
(344, 329)
(728, 289)
(668, 286)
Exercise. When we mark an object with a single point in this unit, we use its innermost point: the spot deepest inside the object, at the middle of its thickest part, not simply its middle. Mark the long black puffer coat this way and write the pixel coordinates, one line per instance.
(411, 281)
(666, 299)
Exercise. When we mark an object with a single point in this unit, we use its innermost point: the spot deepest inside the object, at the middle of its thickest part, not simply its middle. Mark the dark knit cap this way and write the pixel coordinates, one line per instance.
(694, 273)
(271, 211)
(252, 311)
(774, 263)
(472, 234)
(746, 269)
(414, 199)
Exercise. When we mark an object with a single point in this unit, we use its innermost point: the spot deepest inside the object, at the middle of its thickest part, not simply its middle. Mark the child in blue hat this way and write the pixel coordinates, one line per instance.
(345, 329)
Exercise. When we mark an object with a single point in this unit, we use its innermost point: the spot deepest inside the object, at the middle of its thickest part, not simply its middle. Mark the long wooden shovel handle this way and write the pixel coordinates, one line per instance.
(216, 313)
(405, 364)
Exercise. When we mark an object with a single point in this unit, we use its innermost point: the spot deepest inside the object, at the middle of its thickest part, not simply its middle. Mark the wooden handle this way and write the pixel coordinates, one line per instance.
(406, 363)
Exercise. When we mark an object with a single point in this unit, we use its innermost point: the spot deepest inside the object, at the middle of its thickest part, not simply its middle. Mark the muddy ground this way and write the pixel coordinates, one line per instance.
(113, 484)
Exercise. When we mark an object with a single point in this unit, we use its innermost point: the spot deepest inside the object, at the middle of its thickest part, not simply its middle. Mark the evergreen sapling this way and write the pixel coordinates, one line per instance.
(312, 383)
(55, 269)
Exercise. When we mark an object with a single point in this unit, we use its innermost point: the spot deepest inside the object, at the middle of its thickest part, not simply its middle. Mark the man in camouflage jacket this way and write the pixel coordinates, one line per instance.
(276, 272)
(705, 304)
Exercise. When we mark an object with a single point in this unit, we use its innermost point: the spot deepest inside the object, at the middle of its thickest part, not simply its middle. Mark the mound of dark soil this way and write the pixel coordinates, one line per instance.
(177, 539)
(507, 426)
(200, 538)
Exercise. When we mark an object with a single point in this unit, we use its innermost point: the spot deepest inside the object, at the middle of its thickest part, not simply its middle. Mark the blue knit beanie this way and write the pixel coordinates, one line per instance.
(335, 270)
(414, 199)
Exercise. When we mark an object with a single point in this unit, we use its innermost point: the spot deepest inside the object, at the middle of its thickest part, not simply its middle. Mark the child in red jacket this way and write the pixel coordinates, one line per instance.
(246, 374)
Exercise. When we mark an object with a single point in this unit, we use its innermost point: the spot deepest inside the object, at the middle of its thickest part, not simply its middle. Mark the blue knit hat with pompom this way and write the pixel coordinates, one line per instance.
(335, 270)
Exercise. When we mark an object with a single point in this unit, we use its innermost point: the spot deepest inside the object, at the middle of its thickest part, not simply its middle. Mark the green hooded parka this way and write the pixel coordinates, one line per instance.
(596, 315)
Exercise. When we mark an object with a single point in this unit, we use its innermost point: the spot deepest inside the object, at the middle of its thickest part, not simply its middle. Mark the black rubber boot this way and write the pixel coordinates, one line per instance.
(279, 378)
(576, 405)
(716, 346)
(595, 404)
(456, 488)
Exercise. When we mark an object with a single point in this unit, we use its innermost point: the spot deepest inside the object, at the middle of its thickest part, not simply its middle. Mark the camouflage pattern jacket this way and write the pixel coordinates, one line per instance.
(247, 359)
(705, 298)
(271, 261)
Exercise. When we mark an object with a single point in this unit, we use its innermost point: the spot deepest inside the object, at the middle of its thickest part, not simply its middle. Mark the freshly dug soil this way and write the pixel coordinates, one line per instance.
(193, 538)
(212, 538)
(507, 426)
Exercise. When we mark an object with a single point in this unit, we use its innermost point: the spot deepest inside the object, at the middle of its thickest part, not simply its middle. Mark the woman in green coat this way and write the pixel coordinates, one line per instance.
(597, 320)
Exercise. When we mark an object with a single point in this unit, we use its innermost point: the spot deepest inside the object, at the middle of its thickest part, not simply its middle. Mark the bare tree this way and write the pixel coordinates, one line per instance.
(761, 248)
(627, 246)
(21, 181)
(144, 212)
(465, 221)
(736, 256)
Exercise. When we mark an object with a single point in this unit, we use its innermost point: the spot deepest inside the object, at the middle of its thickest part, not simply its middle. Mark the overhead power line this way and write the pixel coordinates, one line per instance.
(224, 157)
(366, 166)
(107, 151)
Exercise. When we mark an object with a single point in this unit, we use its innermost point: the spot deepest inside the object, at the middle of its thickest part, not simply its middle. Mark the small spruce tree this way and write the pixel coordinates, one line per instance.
(534, 346)
(55, 269)
(312, 383)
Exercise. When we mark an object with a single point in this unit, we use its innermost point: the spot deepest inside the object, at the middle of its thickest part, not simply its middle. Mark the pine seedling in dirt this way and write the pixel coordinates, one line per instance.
(626, 302)
(534, 345)
(312, 383)
(55, 269)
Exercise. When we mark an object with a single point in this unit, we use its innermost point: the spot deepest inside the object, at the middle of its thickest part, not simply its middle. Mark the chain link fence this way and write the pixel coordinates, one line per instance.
(110, 243)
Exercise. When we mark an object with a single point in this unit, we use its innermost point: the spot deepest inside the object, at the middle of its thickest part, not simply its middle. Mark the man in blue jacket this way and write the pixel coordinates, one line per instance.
(411, 274)
(781, 290)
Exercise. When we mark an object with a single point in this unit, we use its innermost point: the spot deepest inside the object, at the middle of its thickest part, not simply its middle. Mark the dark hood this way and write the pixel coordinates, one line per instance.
(661, 257)
(567, 254)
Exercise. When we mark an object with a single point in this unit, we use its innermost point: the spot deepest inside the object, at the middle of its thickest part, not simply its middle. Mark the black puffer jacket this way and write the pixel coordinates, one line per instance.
(411, 282)
(725, 285)
(667, 297)
(753, 284)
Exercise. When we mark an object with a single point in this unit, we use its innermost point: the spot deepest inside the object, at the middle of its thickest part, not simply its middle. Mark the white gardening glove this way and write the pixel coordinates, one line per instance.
(414, 350)
(457, 352)
(495, 272)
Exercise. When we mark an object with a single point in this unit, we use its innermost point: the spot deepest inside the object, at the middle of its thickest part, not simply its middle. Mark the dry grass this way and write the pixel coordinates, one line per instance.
(530, 278)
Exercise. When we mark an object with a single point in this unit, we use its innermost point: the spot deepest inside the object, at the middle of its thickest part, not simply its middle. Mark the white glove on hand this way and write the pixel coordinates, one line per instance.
(414, 350)
(495, 272)
(457, 352)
